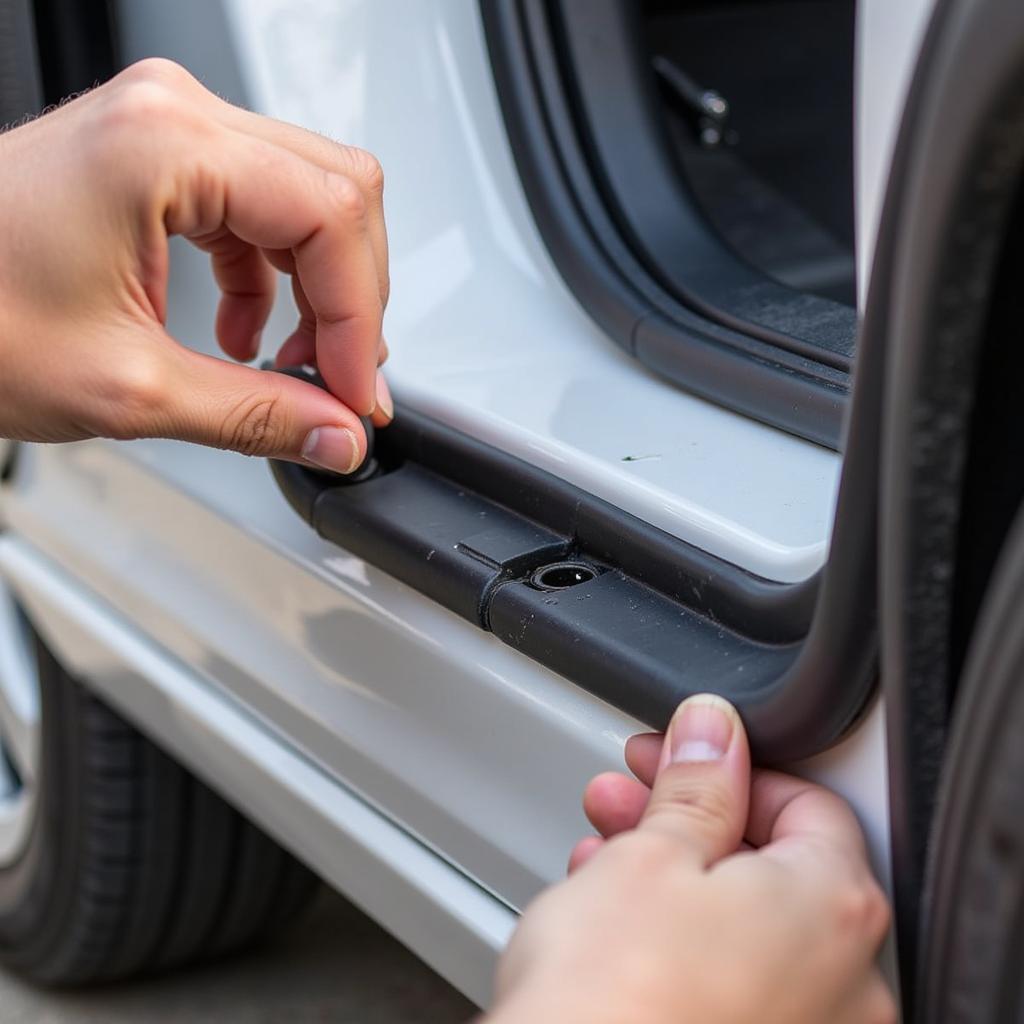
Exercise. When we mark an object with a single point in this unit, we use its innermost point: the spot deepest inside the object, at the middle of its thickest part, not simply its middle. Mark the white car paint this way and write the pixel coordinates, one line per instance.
(185, 573)
(889, 37)
(483, 332)
(456, 926)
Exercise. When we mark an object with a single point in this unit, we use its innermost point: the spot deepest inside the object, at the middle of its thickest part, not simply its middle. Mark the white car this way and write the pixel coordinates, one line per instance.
(637, 249)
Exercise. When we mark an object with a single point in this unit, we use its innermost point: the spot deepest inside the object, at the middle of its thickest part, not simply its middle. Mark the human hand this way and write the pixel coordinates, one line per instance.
(716, 896)
(91, 193)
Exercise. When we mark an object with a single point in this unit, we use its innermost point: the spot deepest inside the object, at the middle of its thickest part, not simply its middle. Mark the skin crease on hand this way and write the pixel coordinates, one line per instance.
(93, 190)
(712, 894)
(717, 895)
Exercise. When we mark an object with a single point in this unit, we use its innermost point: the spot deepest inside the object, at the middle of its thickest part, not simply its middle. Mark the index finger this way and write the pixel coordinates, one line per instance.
(643, 753)
(783, 807)
(274, 199)
(354, 163)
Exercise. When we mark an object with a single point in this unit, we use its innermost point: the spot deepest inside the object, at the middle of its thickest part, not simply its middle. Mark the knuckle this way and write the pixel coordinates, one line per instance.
(251, 426)
(704, 802)
(159, 70)
(145, 119)
(879, 911)
(367, 169)
(140, 103)
(347, 198)
(862, 909)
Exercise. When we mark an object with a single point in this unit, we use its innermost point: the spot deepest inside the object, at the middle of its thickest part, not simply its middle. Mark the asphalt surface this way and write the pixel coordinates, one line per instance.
(335, 965)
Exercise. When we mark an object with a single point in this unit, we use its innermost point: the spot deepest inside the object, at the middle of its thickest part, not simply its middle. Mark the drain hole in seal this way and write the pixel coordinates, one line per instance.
(562, 575)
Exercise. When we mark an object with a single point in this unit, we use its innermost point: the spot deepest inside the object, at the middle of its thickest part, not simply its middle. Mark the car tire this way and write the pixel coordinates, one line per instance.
(130, 863)
(973, 928)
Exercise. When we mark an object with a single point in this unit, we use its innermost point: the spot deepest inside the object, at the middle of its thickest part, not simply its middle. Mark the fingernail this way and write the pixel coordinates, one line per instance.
(384, 400)
(254, 345)
(333, 448)
(702, 729)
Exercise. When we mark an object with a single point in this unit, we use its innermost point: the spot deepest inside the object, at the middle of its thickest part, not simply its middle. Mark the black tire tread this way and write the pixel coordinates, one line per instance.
(138, 865)
(974, 897)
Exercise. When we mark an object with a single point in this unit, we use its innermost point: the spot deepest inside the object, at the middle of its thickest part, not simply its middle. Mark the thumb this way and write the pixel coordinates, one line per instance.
(209, 401)
(702, 788)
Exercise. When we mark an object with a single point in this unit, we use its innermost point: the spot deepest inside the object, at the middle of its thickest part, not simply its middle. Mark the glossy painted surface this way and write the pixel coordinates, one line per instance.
(20, 725)
(471, 746)
(888, 39)
(456, 926)
(472, 749)
(483, 332)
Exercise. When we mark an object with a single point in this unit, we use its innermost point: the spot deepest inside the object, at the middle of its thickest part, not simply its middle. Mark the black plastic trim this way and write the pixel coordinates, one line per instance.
(721, 330)
(468, 525)
(438, 483)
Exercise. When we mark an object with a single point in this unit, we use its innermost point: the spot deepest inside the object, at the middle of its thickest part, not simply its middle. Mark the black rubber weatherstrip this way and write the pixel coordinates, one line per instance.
(646, 618)
(603, 53)
(722, 331)
(948, 234)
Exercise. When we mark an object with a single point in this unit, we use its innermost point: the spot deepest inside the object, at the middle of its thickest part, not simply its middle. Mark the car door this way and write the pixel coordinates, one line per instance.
(405, 635)
(477, 736)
